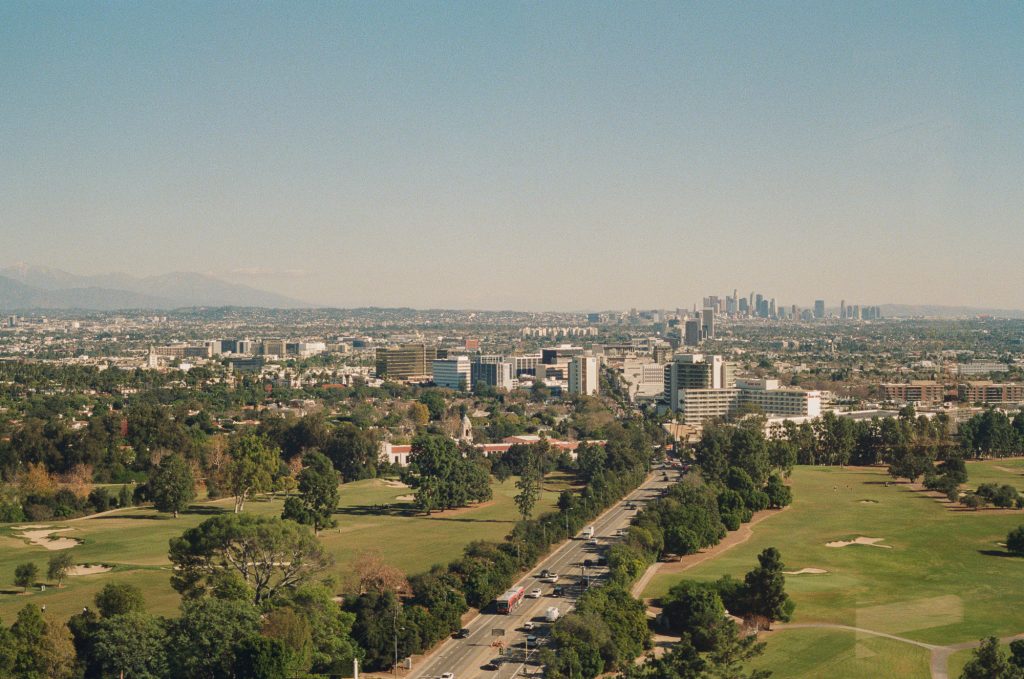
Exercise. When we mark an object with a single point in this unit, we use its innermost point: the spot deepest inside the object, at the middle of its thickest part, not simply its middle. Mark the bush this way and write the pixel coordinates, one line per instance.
(100, 499)
(1015, 541)
(11, 512)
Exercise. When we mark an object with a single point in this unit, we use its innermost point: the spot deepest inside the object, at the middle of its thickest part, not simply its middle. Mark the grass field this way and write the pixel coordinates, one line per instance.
(944, 579)
(834, 654)
(996, 471)
(134, 541)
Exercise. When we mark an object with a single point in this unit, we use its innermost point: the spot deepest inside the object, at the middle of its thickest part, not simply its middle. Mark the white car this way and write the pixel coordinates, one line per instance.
(529, 625)
(536, 594)
(552, 578)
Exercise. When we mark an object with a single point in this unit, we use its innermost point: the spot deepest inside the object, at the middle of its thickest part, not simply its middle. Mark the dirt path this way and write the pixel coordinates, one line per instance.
(736, 537)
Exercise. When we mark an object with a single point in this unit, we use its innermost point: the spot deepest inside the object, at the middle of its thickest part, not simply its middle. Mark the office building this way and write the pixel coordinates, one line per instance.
(695, 371)
(277, 348)
(492, 372)
(708, 323)
(693, 333)
(991, 392)
(819, 308)
(406, 362)
(454, 372)
(583, 376)
(696, 406)
(981, 368)
(926, 392)
(247, 365)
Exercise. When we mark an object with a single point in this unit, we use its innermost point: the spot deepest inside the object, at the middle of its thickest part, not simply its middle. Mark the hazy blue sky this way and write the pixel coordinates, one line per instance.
(522, 155)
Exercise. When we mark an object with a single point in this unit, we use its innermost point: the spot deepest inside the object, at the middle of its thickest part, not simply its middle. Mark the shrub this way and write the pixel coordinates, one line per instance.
(1015, 541)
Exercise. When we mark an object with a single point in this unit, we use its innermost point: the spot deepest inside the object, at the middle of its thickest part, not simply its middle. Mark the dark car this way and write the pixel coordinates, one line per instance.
(557, 591)
(491, 666)
(462, 633)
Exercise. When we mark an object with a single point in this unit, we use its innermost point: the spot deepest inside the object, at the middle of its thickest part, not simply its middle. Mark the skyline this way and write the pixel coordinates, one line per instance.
(526, 156)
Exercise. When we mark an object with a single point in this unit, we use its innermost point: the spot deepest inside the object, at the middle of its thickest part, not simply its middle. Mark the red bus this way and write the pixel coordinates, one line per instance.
(510, 599)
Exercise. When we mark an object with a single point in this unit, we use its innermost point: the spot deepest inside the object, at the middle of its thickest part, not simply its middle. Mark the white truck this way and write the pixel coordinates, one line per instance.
(551, 614)
(588, 533)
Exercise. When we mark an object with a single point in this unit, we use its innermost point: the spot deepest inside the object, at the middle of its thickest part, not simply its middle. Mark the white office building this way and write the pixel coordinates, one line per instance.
(583, 376)
(453, 373)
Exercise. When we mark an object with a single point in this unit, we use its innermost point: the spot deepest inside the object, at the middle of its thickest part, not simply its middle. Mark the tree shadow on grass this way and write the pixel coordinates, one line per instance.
(205, 510)
(998, 552)
(378, 510)
(148, 517)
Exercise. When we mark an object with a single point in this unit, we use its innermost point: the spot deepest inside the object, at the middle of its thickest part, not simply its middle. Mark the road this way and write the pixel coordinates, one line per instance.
(467, 657)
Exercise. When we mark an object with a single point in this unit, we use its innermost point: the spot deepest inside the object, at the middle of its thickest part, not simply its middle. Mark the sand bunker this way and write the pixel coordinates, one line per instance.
(869, 502)
(405, 498)
(806, 571)
(394, 484)
(87, 569)
(872, 542)
(43, 539)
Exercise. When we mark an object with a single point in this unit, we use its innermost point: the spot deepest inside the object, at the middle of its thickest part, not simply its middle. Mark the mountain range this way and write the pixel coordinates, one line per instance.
(33, 287)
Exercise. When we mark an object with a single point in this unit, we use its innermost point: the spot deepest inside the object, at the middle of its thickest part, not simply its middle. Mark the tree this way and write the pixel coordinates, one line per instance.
(988, 662)
(119, 598)
(442, 477)
(529, 485)
(435, 403)
(696, 610)
(779, 494)
(42, 647)
(171, 486)
(292, 629)
(262, 658)
(732, 652)
(1015, 541)
(25, 575)
(252, 468)
(318, 485)
(60, 564)
(131, 645)
(370, 573)
(765, 589)
(354, 451)
(419, 414)
(206, 639)
(265, 555)
(331, 628)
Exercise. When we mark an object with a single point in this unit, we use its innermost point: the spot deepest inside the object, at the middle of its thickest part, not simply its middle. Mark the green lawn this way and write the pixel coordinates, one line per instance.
(831, 654)
(944, 580)
(134, 541)
(995, 471)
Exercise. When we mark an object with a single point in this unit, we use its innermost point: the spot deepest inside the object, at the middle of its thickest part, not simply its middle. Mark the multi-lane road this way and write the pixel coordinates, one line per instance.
(477, 654)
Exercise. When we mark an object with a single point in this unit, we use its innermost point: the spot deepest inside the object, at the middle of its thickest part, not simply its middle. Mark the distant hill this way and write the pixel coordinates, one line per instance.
(936, 311)
(30, 287)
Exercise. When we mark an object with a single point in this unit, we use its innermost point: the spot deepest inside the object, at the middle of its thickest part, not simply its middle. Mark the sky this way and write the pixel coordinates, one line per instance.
(511, 155)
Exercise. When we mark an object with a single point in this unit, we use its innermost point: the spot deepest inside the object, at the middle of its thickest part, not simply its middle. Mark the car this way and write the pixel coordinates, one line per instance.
(529, 625)
(588, 563)
(592, 542)
(552, 577)
(531, 639)
(536, 593)
(448, 675)
(557, 591)
(545, 573)
(490, 667)
(462, 633)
